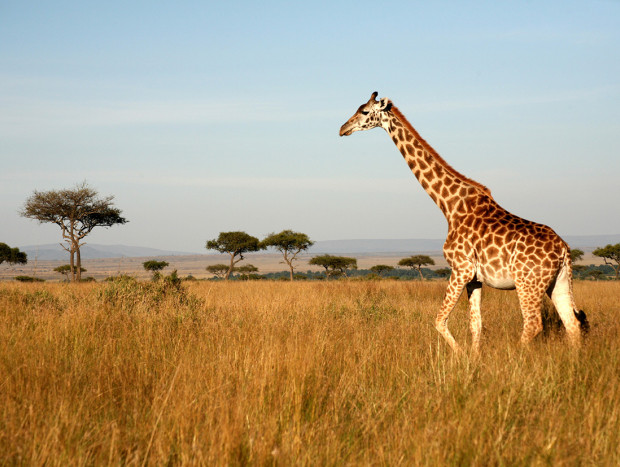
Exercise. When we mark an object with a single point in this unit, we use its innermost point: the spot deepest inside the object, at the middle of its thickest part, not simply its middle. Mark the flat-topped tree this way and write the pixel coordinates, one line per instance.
(77, 212)
(155, 267)
(380, 269)
(236, 244)
(334, 265)
(416, 262)
(611, 256)
(12, 255)
(218, 270)
(65, 269)
(290, 244)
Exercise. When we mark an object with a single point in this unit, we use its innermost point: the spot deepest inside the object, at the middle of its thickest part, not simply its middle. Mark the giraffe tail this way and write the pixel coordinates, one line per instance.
(584, 324)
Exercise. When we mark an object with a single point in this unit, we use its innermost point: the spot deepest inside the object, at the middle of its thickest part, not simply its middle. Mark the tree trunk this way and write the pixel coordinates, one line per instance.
(420, 271)
(79, 264)
(230, 268)
(290, 265)
(72, 263)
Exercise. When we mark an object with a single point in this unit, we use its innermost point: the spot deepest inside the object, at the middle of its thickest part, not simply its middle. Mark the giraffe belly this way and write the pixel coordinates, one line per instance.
(497, 280)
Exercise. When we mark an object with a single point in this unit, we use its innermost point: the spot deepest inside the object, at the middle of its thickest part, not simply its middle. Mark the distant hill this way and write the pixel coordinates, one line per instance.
(54, 251)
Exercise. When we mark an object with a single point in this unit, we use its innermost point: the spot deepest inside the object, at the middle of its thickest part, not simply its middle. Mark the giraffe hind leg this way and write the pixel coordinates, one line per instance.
(530, 300)
(474, 293)
(575, 322)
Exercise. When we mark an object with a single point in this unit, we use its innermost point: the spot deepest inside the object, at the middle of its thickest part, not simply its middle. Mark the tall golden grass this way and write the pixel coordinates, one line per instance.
(298, 373)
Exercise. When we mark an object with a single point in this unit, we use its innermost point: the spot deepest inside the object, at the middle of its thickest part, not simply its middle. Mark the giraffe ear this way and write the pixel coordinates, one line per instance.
(385, 104)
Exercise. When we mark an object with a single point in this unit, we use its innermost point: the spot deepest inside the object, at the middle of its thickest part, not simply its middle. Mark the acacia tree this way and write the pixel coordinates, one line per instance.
(334, 265)
(218, 270)
(247, 271)
(77, 212)
(236, 244)
(416, 262)
(290, 244)
(155, 267)
(381, 268)
(611, 256)
(65, 269)
(12, 255)
(576, 254)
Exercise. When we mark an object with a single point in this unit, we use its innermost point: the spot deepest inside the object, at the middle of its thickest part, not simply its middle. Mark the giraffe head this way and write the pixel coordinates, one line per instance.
(369, 115)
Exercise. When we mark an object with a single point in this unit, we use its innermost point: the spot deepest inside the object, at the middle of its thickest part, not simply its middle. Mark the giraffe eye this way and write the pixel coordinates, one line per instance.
(363, 112)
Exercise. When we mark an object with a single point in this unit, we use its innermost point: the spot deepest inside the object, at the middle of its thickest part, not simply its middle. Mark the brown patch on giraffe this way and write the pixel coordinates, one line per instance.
(423, 165)
(492, 251)
(409, 149)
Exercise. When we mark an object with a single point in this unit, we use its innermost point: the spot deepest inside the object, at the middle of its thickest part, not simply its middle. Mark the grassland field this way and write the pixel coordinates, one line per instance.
(278, 373)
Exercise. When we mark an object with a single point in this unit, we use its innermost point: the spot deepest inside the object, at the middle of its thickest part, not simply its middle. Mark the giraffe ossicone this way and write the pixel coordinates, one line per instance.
(485, 244)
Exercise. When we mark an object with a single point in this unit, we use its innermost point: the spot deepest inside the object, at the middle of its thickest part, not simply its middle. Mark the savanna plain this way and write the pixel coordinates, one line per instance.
(304, 373)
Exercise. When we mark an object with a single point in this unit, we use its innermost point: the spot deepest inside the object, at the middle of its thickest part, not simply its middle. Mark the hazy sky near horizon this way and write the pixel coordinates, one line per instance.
(201, 116)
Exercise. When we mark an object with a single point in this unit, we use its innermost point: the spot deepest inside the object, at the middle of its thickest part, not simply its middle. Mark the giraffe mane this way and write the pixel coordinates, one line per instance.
(440, 160)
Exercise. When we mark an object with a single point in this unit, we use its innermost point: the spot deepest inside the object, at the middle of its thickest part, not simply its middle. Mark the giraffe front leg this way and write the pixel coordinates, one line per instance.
(474, 293)
(457, 282)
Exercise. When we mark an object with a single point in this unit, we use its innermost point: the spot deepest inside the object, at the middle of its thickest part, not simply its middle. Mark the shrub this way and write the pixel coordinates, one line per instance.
(28, 279)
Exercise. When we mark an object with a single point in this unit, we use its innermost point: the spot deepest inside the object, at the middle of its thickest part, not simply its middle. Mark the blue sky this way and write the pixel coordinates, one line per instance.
(203, 117)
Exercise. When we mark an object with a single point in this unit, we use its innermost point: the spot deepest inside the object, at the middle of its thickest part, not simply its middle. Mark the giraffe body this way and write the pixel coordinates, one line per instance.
(485, 243)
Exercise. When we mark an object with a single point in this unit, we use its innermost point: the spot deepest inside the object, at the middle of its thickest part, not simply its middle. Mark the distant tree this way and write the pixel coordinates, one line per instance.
(443, 272)
(595, 274)
(380, 269)
(576, 254)
(12, 255)
(247, 272)
(218, 270)
(416, 262)
(155, 267)
(236, 244)
(290, 244)
(611, 256)
(579, 268)
(334, 265)
(77, 212)
(65, 269)
(246, 269)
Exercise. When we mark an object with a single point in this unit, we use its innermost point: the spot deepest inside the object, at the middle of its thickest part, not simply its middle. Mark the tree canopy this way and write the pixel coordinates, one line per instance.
(12, 255)
(290, 244)
(334, 265)
(77, 212)
(576, 254)
(218, 270)
(611, 256)
(236, 244)
(416, 262)
(381, 269)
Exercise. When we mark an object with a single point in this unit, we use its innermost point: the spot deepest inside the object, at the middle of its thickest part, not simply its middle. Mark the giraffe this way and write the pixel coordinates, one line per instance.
(485, 243)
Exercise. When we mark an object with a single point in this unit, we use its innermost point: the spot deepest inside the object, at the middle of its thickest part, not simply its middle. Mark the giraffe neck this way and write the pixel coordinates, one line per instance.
(447, 187)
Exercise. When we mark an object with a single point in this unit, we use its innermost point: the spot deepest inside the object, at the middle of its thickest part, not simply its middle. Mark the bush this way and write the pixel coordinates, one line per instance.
(28, 279)
(128, 293)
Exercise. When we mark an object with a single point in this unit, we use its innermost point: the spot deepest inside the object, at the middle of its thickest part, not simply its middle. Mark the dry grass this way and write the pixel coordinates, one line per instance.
(301, 373)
